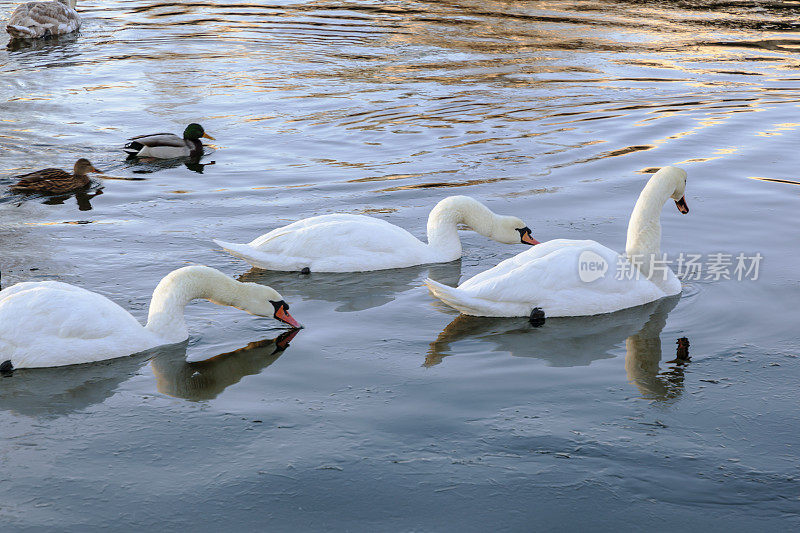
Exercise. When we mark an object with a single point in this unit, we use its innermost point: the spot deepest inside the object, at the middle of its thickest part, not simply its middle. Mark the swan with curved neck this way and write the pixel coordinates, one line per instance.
(358, 243)
(50, 323)
(549, 276)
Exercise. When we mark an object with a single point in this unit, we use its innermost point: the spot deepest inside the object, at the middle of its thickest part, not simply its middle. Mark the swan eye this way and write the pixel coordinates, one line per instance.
(280, 304)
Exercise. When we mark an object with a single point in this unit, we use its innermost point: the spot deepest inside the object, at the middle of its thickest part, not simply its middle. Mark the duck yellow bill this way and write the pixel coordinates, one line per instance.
(682, 207)
(207, 136)
(283, 315)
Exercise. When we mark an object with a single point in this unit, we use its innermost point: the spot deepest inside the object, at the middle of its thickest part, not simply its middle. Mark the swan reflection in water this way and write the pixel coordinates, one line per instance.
(65, 42)
(364, 290)
(577, 341)
(61, 390)
(205, 380)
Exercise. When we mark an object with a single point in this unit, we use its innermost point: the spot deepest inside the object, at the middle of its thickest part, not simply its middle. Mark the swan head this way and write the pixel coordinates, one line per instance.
(678, 177)
(261, 300)
(511, 230)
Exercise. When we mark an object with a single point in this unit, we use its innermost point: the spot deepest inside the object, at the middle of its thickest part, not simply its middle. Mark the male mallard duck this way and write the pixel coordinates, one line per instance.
(168, 145)
(55, 180)
(43, 19)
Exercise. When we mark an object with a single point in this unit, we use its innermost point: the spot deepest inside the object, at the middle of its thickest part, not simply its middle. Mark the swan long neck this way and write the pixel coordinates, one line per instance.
(644, 228)
(445, 217)
(180, 287)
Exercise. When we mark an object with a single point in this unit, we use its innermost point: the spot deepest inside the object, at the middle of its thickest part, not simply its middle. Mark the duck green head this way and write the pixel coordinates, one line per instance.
(194, 131)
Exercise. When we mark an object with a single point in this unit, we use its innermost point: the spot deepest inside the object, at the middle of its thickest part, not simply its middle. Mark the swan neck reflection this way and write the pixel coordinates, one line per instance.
(205, 380)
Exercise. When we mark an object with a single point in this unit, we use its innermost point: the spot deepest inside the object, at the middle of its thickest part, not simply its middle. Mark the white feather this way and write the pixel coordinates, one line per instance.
(50, 323)
(358, 243)
(547, 276)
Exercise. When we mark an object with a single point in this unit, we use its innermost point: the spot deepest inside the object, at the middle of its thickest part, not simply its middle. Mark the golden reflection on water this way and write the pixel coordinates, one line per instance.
(578, 64)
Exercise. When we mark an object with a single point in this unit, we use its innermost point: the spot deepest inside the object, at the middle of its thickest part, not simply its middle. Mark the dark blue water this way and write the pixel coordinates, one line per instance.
(389, 412)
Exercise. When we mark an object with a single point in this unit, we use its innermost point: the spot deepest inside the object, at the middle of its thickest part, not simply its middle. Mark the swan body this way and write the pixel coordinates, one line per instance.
(50, 323)
(32, 20)
(547, 276)
(168, 145)
(358, 243)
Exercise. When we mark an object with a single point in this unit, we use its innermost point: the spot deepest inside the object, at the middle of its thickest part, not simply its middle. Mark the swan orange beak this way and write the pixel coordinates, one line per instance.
(282, 314)
(527, 238)
(682, 207)
(207, 136)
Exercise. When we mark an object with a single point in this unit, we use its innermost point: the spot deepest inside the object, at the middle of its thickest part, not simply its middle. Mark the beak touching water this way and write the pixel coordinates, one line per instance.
(282, 314)
(283, 340)
(682, 207)
(207, 136)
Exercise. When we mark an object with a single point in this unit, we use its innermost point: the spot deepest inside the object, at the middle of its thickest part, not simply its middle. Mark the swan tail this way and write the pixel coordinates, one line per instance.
(246, 252)
(469, 305)
(242, 251)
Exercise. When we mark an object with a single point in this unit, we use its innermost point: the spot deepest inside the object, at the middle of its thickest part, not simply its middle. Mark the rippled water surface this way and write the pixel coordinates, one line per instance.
(389, 412)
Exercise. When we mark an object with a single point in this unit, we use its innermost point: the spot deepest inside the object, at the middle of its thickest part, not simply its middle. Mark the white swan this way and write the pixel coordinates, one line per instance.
(49, 323)
(43, 19)
(547, 276)
(358, 243)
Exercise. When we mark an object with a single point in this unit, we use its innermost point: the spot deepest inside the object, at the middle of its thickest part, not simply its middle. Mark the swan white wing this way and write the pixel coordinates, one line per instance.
(37, 19)
(547, 276)
(334, 243)
(53, 324)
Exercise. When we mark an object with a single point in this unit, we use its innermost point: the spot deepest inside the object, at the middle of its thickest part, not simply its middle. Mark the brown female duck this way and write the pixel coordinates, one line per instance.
(55, 180)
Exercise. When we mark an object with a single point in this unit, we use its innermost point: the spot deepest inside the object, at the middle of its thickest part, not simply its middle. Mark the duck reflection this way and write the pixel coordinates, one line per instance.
(577, 341)
(83, 198)
(148, 165)
(354, 291)
(59, 391)
(205, 380)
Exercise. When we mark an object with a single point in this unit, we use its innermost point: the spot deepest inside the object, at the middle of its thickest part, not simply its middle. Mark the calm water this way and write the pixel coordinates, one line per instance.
(389, 412)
